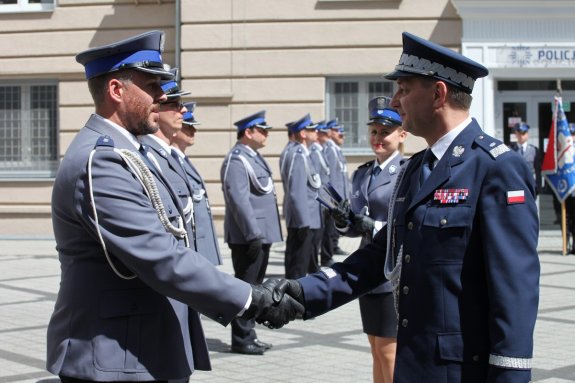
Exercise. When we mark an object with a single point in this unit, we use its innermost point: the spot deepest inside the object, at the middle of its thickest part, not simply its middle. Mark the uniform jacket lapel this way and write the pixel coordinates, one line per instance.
(191, 171)
(444, 168)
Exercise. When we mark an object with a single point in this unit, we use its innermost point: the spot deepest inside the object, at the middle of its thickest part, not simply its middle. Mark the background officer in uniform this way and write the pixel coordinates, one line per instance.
(301, 209)
(251, 221)
(467, 281)
(529, 152)
(206, 238)
(318, 160)
(159, 151)
(340, 182)
(130, 292)
(371, 188)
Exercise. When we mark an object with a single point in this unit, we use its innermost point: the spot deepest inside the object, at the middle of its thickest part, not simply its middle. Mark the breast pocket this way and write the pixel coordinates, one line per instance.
(447, 230)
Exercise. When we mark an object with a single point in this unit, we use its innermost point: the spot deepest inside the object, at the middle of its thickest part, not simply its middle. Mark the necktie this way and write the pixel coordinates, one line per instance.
(521, 149)
(375, 172)
(426, 166)
(176, 156)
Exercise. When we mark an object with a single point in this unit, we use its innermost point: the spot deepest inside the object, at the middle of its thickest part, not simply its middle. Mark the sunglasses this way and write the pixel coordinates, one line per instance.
(177, 105)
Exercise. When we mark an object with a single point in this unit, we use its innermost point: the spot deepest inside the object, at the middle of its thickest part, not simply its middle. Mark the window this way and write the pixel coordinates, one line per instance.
(26, 5)
(347, 100)
(28, 131)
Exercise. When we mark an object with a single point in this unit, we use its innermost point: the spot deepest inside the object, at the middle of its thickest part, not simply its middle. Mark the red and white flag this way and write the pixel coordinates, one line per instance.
(515, 196)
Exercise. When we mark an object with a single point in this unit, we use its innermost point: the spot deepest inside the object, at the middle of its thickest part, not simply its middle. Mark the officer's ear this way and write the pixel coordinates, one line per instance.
(439, 93)
(116, 89)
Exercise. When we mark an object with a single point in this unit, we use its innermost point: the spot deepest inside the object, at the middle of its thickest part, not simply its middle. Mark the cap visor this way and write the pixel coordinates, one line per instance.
(263, 126)
(190, 123)
(178, 94)
(398, 73)
(164, 74)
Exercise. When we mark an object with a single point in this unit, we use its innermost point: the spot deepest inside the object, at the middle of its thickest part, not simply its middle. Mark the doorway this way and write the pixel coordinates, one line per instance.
(527, 102)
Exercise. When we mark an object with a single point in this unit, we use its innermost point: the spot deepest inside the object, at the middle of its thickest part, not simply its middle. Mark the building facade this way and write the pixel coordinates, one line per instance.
(323, 57)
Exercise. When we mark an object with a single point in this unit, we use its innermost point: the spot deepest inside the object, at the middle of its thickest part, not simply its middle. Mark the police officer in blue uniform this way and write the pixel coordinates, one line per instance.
(466, 280)
(131, 291)
(251, 221)
(301, 209)
(200, 217)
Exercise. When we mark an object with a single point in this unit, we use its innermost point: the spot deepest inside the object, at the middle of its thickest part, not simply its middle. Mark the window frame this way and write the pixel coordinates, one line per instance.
(14, 174)
(24, 6)
(363, 100)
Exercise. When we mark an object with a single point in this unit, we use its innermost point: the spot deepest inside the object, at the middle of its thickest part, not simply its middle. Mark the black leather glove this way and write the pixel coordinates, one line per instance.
(292, 288)
(341, 214)
(254, 249)
(269, 312)
(363, 224)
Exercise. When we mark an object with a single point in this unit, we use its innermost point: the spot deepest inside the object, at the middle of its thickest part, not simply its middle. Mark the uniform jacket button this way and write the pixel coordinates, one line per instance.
(443, 221)
(475, 358)
(410, 226)
(405, 290)
(404, 322)
(407, 258)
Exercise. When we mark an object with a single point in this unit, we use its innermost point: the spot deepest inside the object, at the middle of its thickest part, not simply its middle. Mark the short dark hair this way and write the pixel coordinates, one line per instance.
(242, 132)
(457, 98)
(98, 86)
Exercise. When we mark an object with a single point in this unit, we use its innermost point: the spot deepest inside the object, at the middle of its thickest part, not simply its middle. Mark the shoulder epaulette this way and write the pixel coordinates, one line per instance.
(105, 141)
(491, 145)
(367, 164)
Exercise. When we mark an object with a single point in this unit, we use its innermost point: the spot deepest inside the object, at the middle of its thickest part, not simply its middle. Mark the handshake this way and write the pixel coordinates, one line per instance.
(276, 302)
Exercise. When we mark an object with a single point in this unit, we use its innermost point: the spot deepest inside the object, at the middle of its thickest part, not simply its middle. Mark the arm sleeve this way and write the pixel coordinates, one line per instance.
(358, 274)
(510, 232)
(134, 236)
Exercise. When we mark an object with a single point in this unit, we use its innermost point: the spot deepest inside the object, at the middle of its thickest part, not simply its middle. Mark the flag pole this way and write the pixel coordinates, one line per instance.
(563, 210)
(563, 226)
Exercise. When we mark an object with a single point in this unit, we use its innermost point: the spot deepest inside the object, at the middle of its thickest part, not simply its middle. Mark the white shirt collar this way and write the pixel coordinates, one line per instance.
(441, 146)
(121, 130)
(386, 162)
(178, 152)
(252, 152)
(162, 143)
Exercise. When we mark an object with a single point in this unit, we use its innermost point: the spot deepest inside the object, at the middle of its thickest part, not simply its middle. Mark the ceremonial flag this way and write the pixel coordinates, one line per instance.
(559, 161)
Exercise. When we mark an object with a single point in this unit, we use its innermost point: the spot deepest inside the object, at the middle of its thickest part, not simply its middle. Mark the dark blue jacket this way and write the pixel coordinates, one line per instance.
(469, 286)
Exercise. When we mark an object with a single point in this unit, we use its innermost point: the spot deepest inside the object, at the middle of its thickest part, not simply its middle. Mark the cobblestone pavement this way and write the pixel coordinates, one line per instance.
(331, 348)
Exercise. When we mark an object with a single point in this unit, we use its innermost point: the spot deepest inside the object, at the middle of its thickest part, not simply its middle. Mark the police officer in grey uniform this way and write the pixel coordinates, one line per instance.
(159, 151)
(371, 188)
(251, 222)
(318, 160)
(301, 209)
(131, 291)
(200, 218)
(340, 182)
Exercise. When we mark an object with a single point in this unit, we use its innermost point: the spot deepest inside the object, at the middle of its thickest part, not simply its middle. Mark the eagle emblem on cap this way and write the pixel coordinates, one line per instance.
(458, 151)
